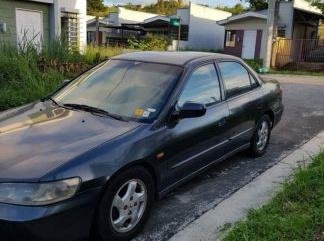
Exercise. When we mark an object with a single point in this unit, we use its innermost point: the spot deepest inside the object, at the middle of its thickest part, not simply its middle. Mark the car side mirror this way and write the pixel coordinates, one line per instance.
(191, 110)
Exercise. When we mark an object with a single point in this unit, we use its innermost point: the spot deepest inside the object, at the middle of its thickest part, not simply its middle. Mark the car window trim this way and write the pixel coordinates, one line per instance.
(249, 73)
(189, 74)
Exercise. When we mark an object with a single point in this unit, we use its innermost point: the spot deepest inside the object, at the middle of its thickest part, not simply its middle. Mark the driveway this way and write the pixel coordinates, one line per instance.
(303, 118)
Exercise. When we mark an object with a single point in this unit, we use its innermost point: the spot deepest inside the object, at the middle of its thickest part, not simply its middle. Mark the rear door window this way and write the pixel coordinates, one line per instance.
(236, 78)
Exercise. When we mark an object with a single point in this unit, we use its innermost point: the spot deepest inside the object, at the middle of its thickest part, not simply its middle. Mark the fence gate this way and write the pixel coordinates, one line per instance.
(298, 54)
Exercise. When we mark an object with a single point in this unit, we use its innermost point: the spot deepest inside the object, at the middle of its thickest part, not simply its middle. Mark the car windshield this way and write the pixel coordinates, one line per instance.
(135, 90)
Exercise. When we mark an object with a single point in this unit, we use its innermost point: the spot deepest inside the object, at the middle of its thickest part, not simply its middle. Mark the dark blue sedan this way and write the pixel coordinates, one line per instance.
(90, 159)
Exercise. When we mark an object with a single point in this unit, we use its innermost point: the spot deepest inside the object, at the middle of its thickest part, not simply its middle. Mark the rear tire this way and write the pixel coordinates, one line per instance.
(261, 137)
(125, 206)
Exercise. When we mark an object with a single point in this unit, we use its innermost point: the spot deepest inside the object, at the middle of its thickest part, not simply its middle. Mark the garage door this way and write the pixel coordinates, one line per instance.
(29, 26)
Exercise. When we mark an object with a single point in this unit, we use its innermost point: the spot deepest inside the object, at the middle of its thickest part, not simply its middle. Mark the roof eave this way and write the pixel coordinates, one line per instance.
(237, 18)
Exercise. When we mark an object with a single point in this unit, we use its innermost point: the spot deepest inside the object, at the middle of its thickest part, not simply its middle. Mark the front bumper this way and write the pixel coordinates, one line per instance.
(66, 221)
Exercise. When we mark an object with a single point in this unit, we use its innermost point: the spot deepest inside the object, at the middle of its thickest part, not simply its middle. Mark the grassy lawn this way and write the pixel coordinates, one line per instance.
(296, 213)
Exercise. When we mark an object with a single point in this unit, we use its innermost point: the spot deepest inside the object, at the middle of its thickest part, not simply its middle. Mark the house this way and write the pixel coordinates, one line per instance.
(199, 28)
(245, 34)
(203, 30)
(40, 21)
(117, 26)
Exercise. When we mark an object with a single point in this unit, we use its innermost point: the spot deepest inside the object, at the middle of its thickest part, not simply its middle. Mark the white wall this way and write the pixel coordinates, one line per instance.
(184, 14)
(130, 16)
(73, 6)
(204, 32)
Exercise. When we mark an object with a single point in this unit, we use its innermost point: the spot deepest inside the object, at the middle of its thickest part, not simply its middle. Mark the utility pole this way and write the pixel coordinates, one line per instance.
(179, 35)
(176, 22)
(270, 33)
(97, 30)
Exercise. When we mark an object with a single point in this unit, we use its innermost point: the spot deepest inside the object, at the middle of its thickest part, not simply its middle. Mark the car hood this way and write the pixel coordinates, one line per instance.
(37, 138)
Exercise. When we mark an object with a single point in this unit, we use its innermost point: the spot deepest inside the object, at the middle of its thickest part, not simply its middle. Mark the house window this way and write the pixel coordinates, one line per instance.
(281, 33)
(70, 28)
(230, 40)
(91, 37)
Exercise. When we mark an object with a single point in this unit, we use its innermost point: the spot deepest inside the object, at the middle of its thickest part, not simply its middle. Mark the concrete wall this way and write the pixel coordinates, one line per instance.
(184, 14)
(252, 24)
(73, 6)
(8, 16)
(51, 10)
(204, 32)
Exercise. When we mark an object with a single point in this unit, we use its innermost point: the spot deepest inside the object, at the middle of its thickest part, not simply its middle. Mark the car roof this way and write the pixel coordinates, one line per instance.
(174, 58)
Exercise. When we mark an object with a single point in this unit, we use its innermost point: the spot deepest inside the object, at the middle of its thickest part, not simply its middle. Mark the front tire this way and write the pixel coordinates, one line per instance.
(261, 137)
(125, 206)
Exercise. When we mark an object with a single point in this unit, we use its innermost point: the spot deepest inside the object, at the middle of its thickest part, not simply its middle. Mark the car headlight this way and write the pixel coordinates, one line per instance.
(38, 194)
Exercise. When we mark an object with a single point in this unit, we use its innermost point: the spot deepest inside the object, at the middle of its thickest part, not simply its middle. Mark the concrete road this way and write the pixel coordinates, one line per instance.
(303, 118)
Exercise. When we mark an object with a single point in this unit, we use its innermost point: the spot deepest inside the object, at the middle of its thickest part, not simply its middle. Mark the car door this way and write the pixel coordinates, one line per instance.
(195, 142)
(241, 98)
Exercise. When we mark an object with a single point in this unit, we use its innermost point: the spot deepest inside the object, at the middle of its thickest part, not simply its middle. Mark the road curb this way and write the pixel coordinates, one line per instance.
(211, 225)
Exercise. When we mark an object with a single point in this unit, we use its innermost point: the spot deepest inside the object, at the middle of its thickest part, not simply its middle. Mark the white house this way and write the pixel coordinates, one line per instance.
(296, 20)
(203, 30)
(42, 20)
(199, 28)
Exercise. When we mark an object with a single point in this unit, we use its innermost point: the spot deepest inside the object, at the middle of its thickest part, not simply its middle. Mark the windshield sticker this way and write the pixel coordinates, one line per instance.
(146, 114)
(139, 112)
(151, 110)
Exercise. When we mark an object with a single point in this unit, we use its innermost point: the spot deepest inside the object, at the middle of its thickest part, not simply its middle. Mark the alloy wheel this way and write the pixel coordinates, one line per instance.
(263, 136)
(128, 205)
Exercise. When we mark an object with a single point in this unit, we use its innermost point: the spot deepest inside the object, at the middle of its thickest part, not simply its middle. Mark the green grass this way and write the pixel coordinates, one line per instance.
(295, 214)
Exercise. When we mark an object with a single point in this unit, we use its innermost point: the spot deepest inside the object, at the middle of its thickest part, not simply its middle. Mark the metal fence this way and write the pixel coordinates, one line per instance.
(304, 54)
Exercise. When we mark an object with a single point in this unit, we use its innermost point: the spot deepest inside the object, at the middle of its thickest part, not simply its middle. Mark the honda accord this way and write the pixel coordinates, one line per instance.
(89, 159)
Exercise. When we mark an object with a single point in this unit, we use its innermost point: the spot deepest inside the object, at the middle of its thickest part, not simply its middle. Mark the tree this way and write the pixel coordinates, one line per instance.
(94, 6)
(166, 7)
(318, 3)
(258, 5)
(97, 8)
(237, 9)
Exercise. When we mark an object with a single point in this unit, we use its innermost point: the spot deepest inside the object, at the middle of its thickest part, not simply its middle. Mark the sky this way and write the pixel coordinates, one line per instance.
(209, 2)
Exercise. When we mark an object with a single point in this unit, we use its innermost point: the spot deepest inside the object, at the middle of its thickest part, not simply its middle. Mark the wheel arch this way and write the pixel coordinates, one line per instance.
(270, 113)
(143, 164)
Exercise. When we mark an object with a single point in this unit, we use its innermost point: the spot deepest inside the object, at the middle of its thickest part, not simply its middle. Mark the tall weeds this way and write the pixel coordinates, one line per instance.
(28, 72)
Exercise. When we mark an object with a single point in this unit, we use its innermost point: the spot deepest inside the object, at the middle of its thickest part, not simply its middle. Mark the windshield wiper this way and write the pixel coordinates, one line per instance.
(49, 98)
(95, 110)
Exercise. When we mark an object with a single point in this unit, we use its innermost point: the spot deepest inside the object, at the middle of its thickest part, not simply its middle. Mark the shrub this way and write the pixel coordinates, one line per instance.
(21, 80)
(96, 54)
(149, 42)
(255, 64)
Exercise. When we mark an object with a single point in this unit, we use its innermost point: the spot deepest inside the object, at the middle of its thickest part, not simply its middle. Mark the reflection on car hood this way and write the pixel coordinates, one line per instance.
(39, 137)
